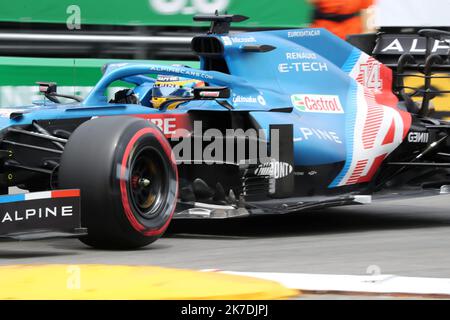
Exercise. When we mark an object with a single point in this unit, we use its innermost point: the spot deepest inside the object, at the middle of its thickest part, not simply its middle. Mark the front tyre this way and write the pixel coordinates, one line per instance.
(127, 175)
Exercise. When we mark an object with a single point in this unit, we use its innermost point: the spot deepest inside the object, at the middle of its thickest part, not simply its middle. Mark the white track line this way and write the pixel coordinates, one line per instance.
(370, 284)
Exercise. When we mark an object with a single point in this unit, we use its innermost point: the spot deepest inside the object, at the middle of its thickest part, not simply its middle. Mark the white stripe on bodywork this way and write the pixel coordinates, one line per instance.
(38, 195)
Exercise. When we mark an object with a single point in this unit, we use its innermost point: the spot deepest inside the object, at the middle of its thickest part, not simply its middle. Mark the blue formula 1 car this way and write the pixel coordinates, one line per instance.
(272, 122)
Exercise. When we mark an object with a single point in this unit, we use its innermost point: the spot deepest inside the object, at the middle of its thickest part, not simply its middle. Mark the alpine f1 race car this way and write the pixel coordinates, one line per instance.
(273, 122)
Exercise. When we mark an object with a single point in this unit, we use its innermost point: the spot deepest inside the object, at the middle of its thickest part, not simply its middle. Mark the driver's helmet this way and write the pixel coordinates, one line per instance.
(172, 88)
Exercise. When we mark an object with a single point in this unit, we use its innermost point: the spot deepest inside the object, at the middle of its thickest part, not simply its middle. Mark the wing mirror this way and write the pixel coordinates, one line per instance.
(47, 87)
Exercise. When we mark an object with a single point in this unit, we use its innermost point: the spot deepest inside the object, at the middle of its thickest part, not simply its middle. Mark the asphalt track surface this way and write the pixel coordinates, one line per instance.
(407, 238)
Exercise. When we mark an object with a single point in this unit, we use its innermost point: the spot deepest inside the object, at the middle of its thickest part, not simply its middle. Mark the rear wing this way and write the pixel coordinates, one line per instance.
(424, 55)
(390, 47)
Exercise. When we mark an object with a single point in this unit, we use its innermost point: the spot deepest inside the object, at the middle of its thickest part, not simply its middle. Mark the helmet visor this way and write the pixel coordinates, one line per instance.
(162, 92)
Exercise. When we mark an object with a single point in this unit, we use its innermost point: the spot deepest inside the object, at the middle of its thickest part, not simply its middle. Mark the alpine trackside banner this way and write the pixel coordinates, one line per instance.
(262, 13)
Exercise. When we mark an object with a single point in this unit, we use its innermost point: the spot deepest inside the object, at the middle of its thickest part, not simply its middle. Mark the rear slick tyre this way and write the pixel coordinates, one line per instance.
(127, 175)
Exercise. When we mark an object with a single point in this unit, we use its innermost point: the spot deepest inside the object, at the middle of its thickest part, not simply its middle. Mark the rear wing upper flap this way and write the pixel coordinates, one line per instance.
(389, 47)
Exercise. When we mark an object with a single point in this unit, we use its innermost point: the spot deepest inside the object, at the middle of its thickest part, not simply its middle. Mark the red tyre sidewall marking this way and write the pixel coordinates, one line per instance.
(123, 181)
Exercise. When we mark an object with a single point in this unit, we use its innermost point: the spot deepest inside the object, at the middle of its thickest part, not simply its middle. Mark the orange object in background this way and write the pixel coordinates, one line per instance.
(342, 17)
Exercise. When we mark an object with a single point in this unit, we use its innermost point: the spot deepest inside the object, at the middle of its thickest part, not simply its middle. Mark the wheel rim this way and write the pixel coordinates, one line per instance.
(146, 183)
